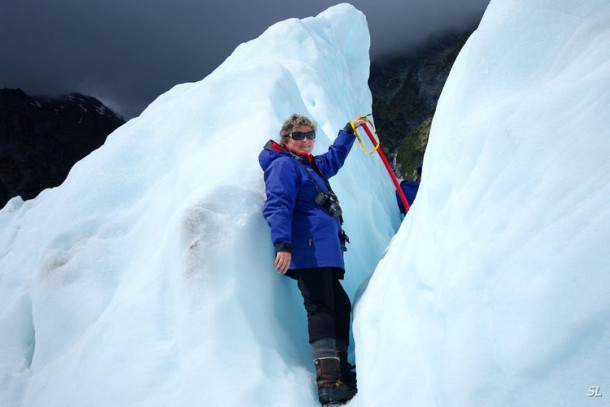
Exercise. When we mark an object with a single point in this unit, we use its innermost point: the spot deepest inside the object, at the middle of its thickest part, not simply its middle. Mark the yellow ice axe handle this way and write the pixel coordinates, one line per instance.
(374, 140)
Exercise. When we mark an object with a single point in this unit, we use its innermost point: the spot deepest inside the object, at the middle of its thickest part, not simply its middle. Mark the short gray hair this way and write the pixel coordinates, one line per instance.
(295, 120)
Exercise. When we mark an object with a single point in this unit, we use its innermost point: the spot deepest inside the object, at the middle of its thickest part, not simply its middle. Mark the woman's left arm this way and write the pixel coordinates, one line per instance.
(330, 162)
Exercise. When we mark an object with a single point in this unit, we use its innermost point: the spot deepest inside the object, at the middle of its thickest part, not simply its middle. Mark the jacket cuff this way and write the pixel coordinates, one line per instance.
(348, 128)
(283, 247)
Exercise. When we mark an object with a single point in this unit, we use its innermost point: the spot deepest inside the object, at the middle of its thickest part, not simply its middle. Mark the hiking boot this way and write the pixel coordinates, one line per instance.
(331, 390)
(346, 371)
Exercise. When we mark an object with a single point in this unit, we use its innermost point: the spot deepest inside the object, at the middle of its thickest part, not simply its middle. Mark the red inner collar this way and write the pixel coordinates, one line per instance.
(307, 156)
(278, 147)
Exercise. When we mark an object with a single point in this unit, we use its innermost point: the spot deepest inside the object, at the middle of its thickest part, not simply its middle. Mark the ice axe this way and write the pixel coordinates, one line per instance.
(376, 144)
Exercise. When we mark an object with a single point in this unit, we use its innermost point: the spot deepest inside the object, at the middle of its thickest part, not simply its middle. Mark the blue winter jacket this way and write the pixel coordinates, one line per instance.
(297, 223)
(409, 188)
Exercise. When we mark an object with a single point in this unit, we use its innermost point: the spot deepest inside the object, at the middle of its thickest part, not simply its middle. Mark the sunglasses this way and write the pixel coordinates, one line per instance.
(298, 135)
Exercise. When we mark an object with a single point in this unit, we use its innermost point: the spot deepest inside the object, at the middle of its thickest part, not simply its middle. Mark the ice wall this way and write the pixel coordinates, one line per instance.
(496, 289)
(147, 278)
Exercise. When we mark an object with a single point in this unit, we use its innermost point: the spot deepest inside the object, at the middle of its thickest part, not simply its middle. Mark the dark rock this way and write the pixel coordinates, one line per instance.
(405, 91)
(42, 138)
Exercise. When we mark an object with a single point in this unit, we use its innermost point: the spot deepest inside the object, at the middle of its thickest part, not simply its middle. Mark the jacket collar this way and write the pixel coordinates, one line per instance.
(272, 145)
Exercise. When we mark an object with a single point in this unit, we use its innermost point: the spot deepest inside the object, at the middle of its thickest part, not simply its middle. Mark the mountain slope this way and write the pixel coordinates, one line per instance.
(42, 138)
(405, 91)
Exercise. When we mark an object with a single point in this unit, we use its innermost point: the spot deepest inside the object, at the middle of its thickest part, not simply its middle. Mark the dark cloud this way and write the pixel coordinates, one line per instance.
(128, 52)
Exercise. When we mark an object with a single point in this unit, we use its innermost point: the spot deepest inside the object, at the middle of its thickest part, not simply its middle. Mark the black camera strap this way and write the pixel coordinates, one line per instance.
(343, 238)
(313, 166)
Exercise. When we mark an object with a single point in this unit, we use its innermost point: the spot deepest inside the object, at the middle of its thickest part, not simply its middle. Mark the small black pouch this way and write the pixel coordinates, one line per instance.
(344, 239)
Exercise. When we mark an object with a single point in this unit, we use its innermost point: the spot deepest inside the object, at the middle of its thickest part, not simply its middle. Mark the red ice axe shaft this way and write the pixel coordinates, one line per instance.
(375, 142)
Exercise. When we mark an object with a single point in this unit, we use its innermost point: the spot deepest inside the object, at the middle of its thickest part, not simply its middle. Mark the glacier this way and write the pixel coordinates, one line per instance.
(146, 278)
(496, 289)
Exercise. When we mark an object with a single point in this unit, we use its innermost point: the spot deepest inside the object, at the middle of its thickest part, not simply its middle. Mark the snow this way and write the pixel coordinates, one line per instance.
(146, 278)
(496, 288)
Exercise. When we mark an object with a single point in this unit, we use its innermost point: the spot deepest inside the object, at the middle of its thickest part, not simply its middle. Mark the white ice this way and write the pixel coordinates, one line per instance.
(146, 279)
(496, 289)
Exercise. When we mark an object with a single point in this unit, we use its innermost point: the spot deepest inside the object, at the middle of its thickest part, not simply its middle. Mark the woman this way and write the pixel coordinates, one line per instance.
(305, 219)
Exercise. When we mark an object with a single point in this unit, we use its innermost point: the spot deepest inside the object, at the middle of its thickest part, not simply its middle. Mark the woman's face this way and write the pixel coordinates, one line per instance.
(300, 146)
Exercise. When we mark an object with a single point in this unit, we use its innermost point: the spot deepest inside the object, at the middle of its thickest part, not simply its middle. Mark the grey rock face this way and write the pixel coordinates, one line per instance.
(41, 139)
(405, 91)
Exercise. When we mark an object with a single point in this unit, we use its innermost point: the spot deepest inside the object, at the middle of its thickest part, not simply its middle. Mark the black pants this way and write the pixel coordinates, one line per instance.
(327, 304)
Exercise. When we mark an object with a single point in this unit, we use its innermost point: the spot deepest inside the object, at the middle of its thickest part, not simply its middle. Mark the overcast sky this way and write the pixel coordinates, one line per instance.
(128, 52)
